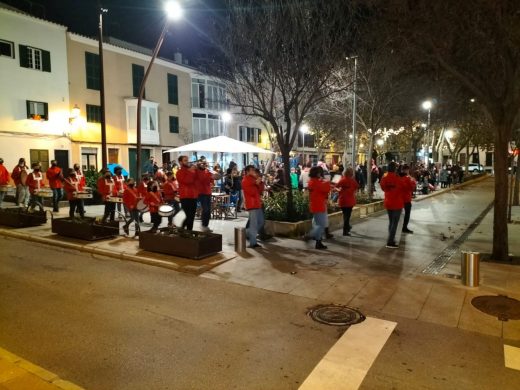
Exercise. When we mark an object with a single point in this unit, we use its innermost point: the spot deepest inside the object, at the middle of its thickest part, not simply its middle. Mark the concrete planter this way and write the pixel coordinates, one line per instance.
(85, 229)
(182, 243)
(19, 217)
(298, 229)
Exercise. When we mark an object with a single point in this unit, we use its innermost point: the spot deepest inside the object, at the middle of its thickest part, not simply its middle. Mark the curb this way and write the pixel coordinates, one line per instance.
(40, 372)
(454, 187)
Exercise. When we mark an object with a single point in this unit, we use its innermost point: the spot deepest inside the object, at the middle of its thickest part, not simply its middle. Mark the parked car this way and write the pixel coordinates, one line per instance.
(474, 168)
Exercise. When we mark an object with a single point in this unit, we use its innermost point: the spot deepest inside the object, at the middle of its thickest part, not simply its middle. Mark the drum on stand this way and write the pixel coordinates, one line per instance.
(141, 206)
(44, 193)
(114, 199)
(83, 195)
(23, 177)
(165, 210)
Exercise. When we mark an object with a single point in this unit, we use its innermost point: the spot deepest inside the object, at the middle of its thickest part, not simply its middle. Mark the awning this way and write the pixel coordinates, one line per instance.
(220, 144)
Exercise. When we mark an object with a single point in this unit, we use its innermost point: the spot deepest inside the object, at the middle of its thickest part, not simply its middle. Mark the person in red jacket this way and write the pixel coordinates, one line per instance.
(119, 179)
(204, 185)
(4, 180)
(130, 199)
(55, 177)
(153, 200)
(188, 191)
(318, 195)
(142, 188)
(392, 185)
(106, 187)
(35, 183)
(19, 176)
(79, 175)
(170, 194)
(72, 185)
(409, 185)
(253, 187)
(347, 187)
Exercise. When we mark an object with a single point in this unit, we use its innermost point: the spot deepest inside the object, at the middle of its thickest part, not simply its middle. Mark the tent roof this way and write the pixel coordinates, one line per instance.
(220, 144)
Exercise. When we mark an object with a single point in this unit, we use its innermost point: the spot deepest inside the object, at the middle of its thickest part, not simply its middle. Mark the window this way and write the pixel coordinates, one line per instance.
(137, 79)
(41, 156)
(174, 124)
(6, 48)
(173, 92)
(215, 96)
(37, 110)
(149, 118)
(93, 113)
(249, 134)
(92, 67)
(199, 127)
(89, 159)
(113, 156)
(198, 95)
(33, 58)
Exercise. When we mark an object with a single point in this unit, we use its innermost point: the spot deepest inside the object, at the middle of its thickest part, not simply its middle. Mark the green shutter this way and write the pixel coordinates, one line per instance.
(46, 61)
(24, 60)
(28, 106)
(173, 92)
(46, 111)
(137, 79)
(174, 124)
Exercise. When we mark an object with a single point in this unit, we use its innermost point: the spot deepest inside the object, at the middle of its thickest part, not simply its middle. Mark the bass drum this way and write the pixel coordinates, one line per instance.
(165, 210)
(141, 206)
(23, 177)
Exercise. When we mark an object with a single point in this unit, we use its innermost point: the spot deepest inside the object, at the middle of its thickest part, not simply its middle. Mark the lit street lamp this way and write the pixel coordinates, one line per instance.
(304, 129)
(427, 105)
(173, 12)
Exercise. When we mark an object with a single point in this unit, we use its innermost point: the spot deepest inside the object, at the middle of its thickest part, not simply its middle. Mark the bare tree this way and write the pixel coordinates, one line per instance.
(281, 60)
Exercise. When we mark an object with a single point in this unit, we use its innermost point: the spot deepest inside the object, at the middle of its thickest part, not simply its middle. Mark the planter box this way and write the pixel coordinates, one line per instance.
(182, 243)
(84, 228)
(19, 217)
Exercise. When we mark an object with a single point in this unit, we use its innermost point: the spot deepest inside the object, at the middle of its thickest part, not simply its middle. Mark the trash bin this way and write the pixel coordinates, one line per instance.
(240, 239)
(469, 268)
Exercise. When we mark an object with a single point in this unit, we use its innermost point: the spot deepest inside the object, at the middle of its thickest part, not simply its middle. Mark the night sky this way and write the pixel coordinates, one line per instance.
(136, 21)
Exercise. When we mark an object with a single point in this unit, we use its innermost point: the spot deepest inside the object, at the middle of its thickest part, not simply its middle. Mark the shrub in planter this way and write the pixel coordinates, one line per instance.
(87, 228)
(21, 217)
(91, 178)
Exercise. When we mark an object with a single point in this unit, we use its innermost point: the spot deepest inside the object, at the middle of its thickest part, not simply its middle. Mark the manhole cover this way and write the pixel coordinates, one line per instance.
(337, 315)
(500, 306)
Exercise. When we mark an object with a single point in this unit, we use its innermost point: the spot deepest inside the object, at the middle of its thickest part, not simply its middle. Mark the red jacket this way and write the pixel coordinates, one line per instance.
(409, 185)
(71, 186)
(252, 192)
(130, 198)
(153, 200)
(142, 188)
(106, 187)
(170, 189)
(392, 185)
(35, 181)
(54, 176)
(81, 178)
(17, 174)
(204, 182)
(347, 194)
(4, 175)
(187, 179)
(319, 193)
(120, 183)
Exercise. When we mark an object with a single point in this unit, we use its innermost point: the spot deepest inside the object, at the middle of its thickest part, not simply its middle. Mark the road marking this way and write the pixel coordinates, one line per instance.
(346, 364)
(512, 357)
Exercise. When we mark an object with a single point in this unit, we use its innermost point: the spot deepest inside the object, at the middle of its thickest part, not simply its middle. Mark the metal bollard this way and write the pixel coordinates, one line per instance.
(469, 268)
(240, 239)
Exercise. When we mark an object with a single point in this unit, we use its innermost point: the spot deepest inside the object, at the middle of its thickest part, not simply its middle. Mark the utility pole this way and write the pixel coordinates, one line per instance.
(104, 159)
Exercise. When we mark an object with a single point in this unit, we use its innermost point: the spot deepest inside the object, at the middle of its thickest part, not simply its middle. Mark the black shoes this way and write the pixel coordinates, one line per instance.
(406, 230)
(392, 245)
(319, 245)
(255, 246)
(328, 234)
(347, 234)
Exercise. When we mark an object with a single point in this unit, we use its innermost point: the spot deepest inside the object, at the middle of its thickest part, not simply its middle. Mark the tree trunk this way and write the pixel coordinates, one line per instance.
(500, 230)
(516, 195)
(369, 166)
(286, 158)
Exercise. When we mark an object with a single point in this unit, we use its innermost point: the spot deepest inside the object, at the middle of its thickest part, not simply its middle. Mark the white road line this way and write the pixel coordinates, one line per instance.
(512, 357)
(346, 364)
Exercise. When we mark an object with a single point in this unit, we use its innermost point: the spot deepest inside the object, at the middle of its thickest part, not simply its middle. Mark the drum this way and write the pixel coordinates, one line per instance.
(83, 195)
(141, 206)
(4, 188)
(114, 199)
(165, 210)
(44, 193)
(23, 177)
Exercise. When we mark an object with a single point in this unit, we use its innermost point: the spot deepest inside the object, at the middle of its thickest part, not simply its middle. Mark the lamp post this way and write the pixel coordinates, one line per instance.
(354, 104)
(304, 129)
(173, 12)
(226, 117)
(427, 105)
(104, 159)
(380, 142)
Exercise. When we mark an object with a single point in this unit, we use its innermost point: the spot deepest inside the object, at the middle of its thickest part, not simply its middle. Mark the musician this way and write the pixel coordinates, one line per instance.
(131, 197)
(18, 175)
(170, 193)
(35, 183)
(204, 185)
(253, 188)
(153, 200)
(187, 178)
(73, 185)
(55, 176)
(4, 180)
(119, 180)
(107, 188)
(79, 174)
(142, 188)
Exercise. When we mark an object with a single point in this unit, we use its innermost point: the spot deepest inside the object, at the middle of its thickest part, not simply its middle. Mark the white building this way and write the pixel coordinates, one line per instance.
(34, 103)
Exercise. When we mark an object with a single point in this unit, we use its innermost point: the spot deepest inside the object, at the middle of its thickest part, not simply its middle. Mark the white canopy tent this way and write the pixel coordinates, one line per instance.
(220, 144)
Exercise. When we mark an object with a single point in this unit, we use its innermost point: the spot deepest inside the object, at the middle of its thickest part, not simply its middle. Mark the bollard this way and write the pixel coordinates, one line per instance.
(240, 239)
(469, 268)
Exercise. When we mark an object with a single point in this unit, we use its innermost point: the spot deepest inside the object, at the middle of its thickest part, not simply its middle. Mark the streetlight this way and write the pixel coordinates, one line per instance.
(104, 159)
(380, 142)
(225, 117)
(304, 129)
(427, 105)
(173, 11)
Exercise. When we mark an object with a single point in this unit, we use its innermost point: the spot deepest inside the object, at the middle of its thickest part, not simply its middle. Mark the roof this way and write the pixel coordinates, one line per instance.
(15, 11)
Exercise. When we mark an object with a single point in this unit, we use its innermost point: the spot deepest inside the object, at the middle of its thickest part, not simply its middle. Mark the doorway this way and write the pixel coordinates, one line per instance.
(132, 167)
(62, 157)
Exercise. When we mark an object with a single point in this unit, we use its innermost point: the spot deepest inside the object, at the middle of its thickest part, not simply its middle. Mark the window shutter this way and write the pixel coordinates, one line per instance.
(46, 111)
(173, 93)
(24, 60)
(28, 105)
(46, 61)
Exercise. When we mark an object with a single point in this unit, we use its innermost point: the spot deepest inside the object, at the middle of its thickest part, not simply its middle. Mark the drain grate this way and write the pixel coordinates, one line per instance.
(500, 306)
(337, 315)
